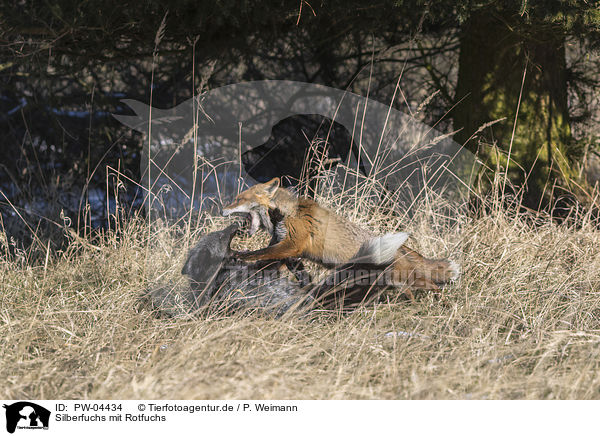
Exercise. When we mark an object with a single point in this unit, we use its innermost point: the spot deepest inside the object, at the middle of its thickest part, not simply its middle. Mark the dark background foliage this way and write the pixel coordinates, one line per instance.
(65, 65)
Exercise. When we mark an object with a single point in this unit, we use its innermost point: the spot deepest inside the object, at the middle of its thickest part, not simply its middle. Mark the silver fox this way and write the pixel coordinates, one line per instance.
(223, 284)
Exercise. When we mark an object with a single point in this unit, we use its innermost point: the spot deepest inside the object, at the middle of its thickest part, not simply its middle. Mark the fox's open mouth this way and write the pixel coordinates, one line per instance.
(250, 221)
(255, 217)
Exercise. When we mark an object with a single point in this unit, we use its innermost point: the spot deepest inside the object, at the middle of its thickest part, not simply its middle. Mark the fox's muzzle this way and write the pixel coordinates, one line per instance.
(231, 209)
(252, 216)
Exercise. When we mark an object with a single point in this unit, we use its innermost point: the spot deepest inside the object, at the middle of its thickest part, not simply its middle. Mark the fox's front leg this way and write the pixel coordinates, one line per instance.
(281, 250)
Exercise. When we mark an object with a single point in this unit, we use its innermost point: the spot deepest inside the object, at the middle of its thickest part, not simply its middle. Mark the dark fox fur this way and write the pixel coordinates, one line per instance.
(220, 283)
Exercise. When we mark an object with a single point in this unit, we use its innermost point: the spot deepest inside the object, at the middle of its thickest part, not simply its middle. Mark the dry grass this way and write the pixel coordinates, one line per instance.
(523, 322)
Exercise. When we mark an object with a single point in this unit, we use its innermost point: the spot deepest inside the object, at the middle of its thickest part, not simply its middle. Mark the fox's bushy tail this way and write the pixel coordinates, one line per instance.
(380, 250)
(389, 249)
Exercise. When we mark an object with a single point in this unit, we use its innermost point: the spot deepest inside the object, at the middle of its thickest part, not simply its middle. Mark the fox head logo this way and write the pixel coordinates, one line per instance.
(226, 125)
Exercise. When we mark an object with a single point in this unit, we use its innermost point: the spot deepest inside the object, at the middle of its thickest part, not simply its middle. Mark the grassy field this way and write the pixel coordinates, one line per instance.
(522, 322)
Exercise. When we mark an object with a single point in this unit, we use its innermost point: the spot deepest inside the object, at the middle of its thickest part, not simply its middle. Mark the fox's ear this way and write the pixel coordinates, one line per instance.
(272, 185)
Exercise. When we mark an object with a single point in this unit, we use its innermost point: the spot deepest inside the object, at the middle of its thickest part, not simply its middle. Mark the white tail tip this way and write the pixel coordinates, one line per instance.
(381, 249)
(454, 270)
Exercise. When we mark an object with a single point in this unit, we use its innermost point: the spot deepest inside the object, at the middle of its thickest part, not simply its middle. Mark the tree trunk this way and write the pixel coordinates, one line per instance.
(495, 52)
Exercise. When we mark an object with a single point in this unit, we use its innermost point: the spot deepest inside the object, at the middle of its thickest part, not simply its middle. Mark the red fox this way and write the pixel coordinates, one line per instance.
(300, 227)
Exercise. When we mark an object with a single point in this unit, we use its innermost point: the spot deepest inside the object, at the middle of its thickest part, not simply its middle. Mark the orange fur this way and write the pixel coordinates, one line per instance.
(308, 230)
